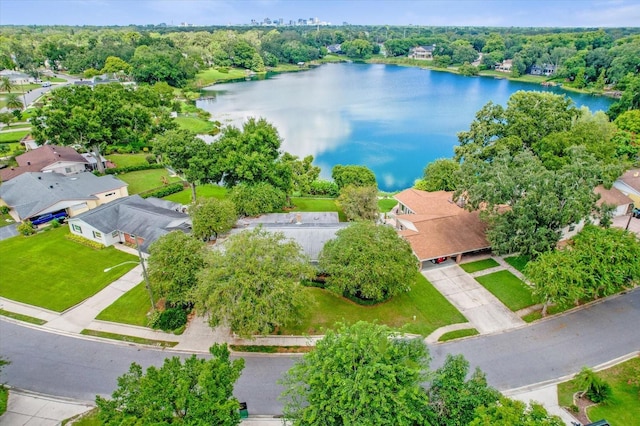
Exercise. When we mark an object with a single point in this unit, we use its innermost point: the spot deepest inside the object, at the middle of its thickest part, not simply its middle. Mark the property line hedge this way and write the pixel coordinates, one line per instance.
(163, 191)
(133, 168)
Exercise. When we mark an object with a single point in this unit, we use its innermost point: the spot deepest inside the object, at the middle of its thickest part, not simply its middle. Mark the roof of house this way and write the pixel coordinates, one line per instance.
(137, 216)
(39, 158)
(311, 230)
(442, 227)
(632, 179)
(611, 196)
(32, 193)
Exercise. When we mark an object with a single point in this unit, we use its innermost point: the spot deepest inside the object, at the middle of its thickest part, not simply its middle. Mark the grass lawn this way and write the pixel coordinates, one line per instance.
(623, 409)
(52, 272)
(479, 265)
(386, 204)
(90, 418)
(518, 262)
(145, 180)
(13, 136)
(430, 308)
(128, 160)
(213, 75)
(202, 191)
(508, 288)
(5, 219)
(132, 339)
(130, 308)
(195, 124)
(457, 334)
(20, 317)
(305, 204)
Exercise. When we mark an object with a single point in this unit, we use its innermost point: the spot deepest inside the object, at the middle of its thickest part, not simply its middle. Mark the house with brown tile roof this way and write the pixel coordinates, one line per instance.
(629, 185)
(435, 226)
(48, 158)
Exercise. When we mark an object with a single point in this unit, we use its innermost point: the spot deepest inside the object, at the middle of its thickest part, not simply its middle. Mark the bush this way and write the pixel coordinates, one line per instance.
(594, 387)
(55, 223)
(324, 187)
(151, 159)
(26, 228)
(169, 320)
(84, 241)
(257, 199)
(4, 209)
(164, 191)
(133, 168)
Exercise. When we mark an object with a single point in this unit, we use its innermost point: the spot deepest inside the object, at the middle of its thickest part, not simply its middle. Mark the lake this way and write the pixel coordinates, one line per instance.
(393, 119)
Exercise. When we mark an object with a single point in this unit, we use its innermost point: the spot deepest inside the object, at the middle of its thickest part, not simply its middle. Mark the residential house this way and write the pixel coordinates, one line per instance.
(629, 185)
(129, 219)
(34, 194)
(334, 48)
(544, 69)
(310, 230)
(50, 158)
(422, 52)
(436, 227)
(16, 77)
(504, 66)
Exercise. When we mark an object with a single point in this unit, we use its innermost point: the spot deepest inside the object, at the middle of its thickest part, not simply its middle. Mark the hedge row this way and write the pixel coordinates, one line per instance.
(133, 168)
(84, 241)
(164, 191)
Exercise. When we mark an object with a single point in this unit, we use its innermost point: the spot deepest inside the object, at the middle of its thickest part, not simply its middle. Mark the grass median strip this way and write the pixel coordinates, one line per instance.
(130, 339)
(511, 291)
(457, 334)
(271, 349)
(20, 317)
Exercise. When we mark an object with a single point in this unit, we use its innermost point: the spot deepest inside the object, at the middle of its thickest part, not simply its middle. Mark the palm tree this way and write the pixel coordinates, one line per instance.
(6, 85)
(13, 101)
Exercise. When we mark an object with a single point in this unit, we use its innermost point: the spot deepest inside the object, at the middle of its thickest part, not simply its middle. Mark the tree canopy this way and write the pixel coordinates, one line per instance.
(368, 263)
(360, 374)
(252, 283)
(440, 175)
(174, 262)
(359, 202)
(353, 175)
(510, 412)
(193, 392)
(211, 216)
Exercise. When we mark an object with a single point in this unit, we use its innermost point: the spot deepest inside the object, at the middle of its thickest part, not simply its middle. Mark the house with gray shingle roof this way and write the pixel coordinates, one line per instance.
(31, 195)
(128, 218)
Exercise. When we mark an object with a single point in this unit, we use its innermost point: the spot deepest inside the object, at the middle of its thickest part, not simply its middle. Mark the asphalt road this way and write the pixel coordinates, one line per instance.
(78, 368)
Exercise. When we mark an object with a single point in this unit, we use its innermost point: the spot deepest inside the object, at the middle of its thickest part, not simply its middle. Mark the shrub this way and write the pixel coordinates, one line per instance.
(4, 209)
(26, 228)
(151, 159)
(594, 387)
(55, 223)
(169, 320)
(164, 191)
(133, 168)
(252, 200)
(84, 241)
(324, 187)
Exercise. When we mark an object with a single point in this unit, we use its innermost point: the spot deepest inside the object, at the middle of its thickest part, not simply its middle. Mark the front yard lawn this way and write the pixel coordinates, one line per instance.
(479, 265)
(518, 262)
(213, 75)
(623, 409)
(6, 137)
(128, 160)
(195, 124)
(430, 308)
(386, 204)
(511, 291)
(6, 219)
(307, 204)
(52, 272)
(145, 180)
(130, 308)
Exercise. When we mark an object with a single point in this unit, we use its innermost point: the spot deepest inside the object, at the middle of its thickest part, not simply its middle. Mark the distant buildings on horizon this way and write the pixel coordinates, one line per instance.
(268, 22)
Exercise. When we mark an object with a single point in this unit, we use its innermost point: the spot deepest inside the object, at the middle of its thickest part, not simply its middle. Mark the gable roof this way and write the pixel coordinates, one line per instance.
(31, 193)
(611, 196)
(632, 179)
(442, 228)
(135, 215)
(41, 157)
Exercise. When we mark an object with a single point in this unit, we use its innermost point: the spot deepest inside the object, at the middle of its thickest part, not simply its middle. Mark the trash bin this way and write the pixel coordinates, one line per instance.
(244, 413)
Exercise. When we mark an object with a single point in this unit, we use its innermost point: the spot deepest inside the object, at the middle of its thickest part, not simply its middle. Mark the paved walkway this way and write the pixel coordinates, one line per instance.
(483, 310)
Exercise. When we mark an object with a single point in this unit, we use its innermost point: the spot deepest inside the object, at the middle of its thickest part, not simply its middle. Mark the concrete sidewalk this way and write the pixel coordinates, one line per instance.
(483, 310)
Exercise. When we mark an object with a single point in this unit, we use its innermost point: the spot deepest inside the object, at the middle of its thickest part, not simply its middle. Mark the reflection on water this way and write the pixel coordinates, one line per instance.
(395, 120)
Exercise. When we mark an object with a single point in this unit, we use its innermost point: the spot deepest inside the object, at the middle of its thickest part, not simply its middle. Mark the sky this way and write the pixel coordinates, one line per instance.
(499, 13)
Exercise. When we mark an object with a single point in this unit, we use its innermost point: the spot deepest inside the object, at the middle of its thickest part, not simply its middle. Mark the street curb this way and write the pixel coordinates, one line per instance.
(562, 379)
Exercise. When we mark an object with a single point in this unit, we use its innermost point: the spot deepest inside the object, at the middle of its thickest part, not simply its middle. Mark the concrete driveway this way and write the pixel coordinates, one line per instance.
(8, 231)
(483, 310)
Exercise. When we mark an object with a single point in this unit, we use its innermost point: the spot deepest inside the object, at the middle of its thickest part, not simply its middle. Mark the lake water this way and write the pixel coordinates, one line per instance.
(395, 120)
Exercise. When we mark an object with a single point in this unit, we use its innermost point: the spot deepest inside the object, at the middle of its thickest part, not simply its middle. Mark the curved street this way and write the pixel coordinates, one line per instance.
(70, 366)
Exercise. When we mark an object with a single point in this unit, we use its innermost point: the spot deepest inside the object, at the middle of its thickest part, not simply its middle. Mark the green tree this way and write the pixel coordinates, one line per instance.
(368, 262)
(193, 392)
(359, 202)
(360, 375)
(253, 200)
(453, 398)
(303, 172)
(251, 156)
(114, 65)
(509, 412)
(361, 49)
(593, 386)
(353, 175)
(6, 85)
(161, 62)
(211, 217)
(13, 101)
(252, 284)
(183, 151)
(7, 118)
(440, 175)
(174, 262)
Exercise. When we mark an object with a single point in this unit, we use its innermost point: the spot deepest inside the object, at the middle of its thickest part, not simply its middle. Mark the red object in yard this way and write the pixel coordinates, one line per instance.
(438, 260)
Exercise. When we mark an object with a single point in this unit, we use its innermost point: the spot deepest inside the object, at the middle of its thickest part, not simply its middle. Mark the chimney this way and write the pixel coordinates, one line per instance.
(298, 218)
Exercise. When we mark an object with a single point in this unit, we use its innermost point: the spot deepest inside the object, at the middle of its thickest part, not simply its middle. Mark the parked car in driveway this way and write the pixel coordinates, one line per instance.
(636, 213)
(438, 260)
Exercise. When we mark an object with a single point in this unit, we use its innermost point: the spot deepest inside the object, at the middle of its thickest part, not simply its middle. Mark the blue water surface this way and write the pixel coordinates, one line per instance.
(393, 119)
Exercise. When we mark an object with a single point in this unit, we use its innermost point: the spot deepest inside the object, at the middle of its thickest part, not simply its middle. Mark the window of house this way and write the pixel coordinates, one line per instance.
(76, 228)
(110, 194)
(67, 170)
(97, 235)
(115, 234)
